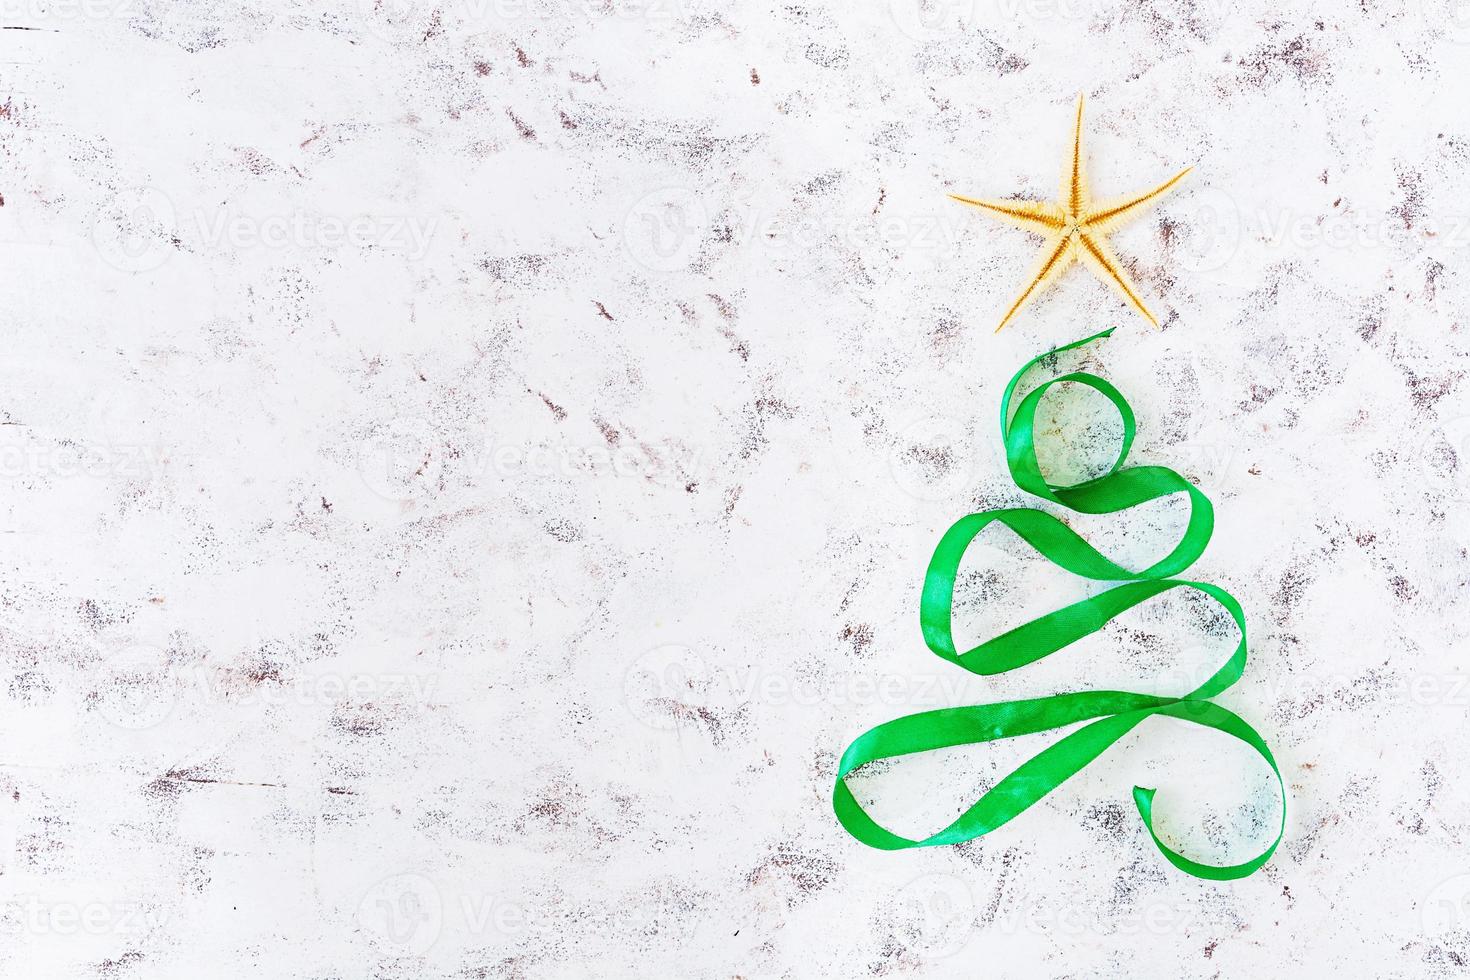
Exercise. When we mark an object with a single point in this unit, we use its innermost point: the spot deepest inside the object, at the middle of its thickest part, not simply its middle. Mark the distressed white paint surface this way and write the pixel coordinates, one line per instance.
(468, 471)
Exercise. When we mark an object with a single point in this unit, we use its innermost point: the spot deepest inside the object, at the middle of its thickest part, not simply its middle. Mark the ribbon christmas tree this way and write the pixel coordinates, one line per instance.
(1113, 714)
(1072, 228)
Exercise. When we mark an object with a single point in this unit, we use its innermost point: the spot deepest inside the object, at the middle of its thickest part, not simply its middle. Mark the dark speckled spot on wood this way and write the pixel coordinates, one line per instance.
(527, 133)
(860, 635)
(557, 411)
(805, 872)
(563, 530)
(610, 435)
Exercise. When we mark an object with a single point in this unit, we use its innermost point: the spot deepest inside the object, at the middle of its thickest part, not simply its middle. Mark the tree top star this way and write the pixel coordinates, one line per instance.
(1075, 227)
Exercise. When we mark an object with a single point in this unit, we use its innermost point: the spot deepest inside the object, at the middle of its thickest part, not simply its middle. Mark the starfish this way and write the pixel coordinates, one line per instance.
(1075, 227)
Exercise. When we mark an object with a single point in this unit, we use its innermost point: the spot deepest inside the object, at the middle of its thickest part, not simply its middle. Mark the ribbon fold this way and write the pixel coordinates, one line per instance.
(1112, 714)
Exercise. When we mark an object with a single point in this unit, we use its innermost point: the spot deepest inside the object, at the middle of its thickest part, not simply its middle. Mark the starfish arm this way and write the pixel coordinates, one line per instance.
(1100, 258)
(1038, 217)
(1074, 178)
(1107, 216)
(1060, 252)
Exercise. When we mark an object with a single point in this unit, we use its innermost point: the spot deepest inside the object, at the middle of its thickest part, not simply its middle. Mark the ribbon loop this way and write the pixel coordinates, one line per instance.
(1110, 714)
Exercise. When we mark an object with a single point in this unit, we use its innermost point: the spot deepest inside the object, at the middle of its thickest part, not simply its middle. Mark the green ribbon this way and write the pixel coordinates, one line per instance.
(1116, 713)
